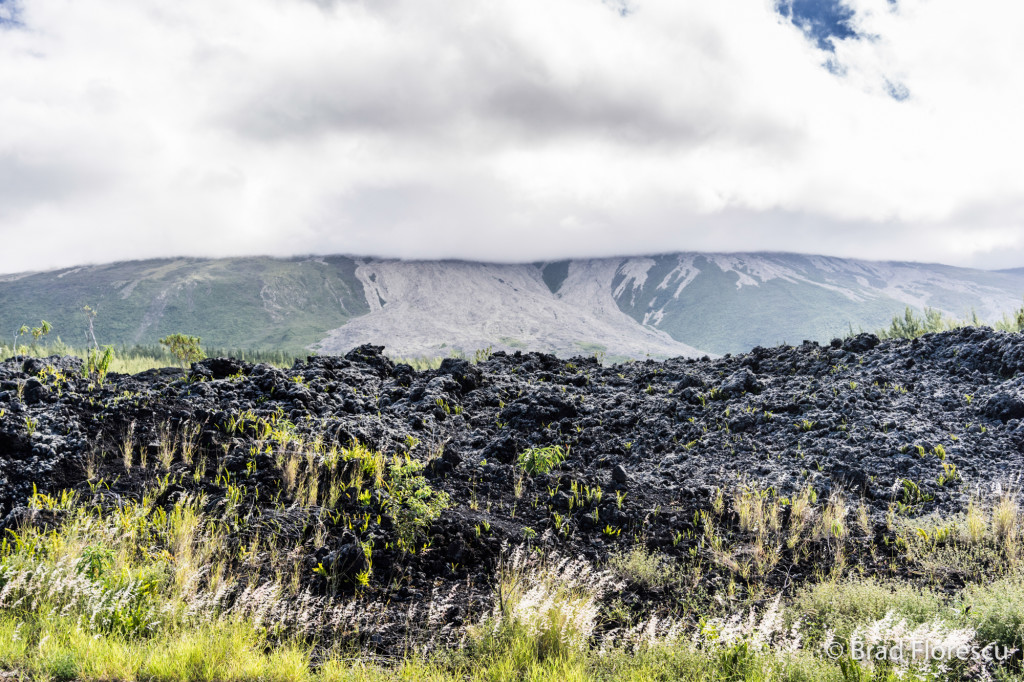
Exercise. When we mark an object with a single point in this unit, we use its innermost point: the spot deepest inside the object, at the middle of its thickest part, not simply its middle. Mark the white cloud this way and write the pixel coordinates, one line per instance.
(506, 129)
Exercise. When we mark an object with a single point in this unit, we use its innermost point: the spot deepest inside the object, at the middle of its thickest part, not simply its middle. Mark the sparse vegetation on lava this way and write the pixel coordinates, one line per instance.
(748, 517)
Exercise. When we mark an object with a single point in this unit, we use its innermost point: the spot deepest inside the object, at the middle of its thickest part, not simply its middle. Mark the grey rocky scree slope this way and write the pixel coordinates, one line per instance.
(847, 416)
(429, 308)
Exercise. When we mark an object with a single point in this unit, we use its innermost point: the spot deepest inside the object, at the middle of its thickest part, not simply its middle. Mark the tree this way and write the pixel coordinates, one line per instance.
(37, 333)
(90, 314)
(185, 348)
(20, 331)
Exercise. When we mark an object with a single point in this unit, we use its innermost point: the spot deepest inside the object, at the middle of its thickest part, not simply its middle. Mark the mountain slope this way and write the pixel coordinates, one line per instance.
(429, 308)
(236, 302)
(732, 302)
(658, 306)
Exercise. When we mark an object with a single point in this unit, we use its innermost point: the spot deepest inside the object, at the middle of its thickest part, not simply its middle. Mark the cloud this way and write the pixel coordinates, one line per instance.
(511, 129)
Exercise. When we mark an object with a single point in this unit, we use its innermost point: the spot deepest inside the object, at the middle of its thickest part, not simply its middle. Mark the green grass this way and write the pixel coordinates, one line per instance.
(142, 357)
(124, 588)
(841, 606)
(134, 590)
(641, 567)
(232, 652)
(58, 649)
(128, 592)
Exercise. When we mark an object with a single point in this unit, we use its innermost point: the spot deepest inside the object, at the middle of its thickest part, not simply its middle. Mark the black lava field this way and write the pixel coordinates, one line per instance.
(658, 440)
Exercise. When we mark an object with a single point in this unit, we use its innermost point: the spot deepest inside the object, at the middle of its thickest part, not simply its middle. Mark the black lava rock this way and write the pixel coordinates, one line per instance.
(741, 382)
(463, 372)
(1004, 407)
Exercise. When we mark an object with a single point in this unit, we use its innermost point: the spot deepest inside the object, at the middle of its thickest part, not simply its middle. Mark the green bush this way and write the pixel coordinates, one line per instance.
(542, 460)
(411, 503)
(996, 611)
(98, 364)
(185, 348)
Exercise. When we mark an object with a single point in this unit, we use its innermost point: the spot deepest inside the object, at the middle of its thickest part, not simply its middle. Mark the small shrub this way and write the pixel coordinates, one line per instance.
(912, 494)
(412, 504)
(833, 518)
(949, 475)
(911, 326)
(185, 348)
(98, 364)
(37, 333)
(976, 525)
(542, 460)
(1005, 519)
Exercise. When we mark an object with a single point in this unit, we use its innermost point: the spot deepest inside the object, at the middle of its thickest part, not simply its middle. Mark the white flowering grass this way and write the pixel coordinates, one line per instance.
(550, 601)
(760, 631)
(137, 592)
(934, 650)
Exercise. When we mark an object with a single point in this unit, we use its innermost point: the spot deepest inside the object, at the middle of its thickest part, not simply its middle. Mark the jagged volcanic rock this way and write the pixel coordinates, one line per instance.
(858, 415)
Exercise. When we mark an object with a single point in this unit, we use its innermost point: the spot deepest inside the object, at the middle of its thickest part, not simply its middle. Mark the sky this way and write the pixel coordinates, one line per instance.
(510, 130)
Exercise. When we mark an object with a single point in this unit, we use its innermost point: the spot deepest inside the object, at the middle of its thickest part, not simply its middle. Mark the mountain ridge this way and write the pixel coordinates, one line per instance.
(660, 305)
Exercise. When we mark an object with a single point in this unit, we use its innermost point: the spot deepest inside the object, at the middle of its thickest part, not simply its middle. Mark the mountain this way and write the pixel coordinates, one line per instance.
(729, 303)
(663, 305)
(236, 302)
(427, 308)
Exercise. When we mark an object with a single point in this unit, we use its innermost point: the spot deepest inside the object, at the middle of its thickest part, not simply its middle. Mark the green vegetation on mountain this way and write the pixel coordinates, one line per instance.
(776, 311)
(555, 274)
(732, 303)
(623, 308)
(236, 302)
